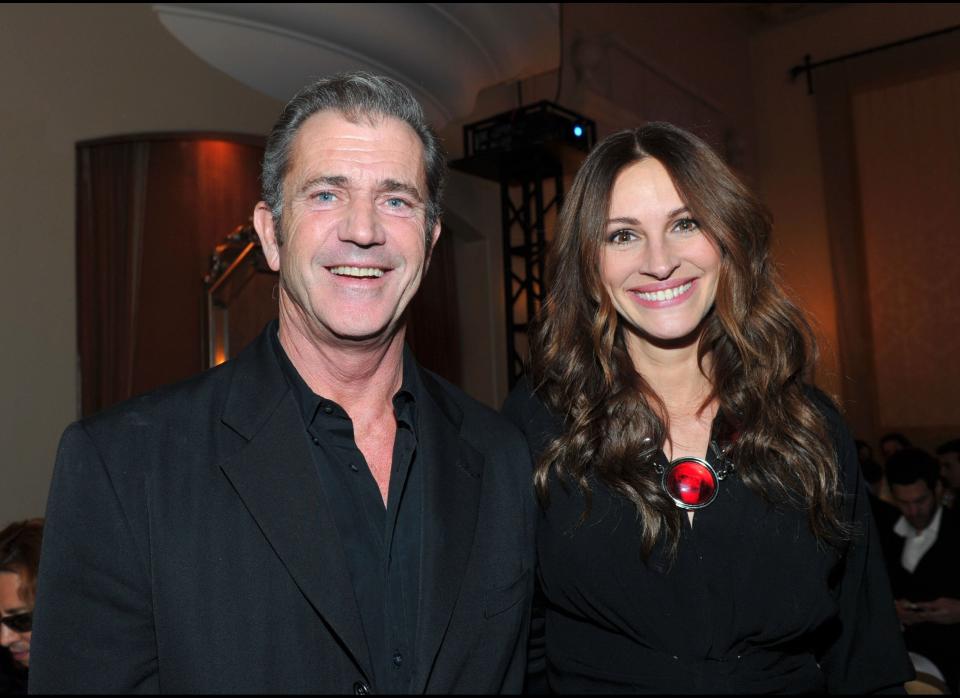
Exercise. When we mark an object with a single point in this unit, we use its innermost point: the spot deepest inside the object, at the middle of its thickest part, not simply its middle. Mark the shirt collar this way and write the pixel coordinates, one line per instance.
(903, 528)
(309, 402)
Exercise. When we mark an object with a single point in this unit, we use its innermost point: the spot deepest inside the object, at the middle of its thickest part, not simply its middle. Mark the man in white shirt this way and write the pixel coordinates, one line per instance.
(922, 560)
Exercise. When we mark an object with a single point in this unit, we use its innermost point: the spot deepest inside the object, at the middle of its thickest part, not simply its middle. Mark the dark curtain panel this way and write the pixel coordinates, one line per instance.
(150, 210)
(433, 331)
(111, 201)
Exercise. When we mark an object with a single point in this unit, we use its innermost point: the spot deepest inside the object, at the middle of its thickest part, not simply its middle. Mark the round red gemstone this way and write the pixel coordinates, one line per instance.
(691, 482)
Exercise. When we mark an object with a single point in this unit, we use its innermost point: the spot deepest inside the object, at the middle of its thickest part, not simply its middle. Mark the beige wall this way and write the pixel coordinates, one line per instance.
(70, 73)
(789, 164)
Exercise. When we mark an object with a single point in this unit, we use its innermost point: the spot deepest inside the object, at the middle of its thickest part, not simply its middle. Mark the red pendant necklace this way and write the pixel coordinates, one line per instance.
(692, 483)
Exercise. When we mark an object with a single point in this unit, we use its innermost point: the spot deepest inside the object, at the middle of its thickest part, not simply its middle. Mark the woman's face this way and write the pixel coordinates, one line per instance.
(658, 266)
(11, 605)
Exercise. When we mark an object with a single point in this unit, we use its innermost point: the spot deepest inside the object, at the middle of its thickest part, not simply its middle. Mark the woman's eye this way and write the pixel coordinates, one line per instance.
(686, 225)
(622, 236)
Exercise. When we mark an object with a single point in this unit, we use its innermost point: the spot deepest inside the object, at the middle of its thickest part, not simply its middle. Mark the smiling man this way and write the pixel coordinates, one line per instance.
(320, 514)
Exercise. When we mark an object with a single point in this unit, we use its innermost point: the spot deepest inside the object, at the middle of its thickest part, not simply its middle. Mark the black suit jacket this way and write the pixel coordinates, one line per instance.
(937, 572)
(936, 575)
(187, 548)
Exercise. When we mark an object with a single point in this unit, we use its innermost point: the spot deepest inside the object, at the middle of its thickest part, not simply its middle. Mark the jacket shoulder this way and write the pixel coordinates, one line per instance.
(482, 427)
(188, 401)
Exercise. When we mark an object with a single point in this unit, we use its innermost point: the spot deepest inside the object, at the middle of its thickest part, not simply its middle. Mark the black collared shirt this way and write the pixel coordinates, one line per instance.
(381, 543)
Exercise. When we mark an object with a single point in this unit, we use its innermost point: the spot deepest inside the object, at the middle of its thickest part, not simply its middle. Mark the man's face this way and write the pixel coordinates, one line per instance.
(950, 469)
(354, 247)
(11, 605)
(917, 502)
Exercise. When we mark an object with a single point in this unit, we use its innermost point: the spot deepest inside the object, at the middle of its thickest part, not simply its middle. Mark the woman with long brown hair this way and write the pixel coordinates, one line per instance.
(704, 527)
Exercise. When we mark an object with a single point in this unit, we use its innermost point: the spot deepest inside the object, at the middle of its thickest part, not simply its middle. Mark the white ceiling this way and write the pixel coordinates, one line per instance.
(445, 52)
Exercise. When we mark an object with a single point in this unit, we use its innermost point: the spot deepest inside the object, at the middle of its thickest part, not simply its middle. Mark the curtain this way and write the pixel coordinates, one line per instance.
(111, 204)
(908, 158)
(863, 344)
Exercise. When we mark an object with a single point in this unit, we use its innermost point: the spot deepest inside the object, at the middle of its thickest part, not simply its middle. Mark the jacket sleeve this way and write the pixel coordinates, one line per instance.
(867, 653)
(527, 413)
(93, 623)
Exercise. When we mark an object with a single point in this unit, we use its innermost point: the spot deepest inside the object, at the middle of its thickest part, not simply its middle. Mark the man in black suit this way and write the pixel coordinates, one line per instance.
(319, 514)
(922, 561)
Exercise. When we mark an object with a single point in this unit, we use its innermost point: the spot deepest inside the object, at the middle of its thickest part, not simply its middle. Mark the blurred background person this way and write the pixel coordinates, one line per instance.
(19, 560)
(922, 561)
(884, 511)
(893, 442)
(949, 455)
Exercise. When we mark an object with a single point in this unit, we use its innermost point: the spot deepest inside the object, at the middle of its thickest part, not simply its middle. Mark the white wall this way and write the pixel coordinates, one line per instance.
(70, 73)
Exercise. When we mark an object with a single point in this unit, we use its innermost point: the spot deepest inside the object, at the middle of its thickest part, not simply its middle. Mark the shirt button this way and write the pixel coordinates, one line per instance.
(354, 468)
(327, 409)
(315, 440)
(361, 689)
(397, 659)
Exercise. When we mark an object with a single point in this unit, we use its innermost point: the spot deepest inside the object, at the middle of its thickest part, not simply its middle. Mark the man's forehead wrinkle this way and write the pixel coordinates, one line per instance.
(388, 145)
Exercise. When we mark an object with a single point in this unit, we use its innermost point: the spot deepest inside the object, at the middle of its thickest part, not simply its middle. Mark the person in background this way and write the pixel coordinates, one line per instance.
(922, 560)
(884, 512)
(949, 455)
(704, 525)
(19, 560)
(892, 442)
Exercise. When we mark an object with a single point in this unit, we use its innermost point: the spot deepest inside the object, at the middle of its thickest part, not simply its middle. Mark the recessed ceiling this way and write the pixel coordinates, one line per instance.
(445, 52)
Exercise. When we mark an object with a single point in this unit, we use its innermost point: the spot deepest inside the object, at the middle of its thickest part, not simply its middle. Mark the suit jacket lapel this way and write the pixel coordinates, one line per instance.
(451, 497)
(275, 477)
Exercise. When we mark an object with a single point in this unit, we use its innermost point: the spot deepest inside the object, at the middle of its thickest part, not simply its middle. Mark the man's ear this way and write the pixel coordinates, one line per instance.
(263, 223)
(434, 236)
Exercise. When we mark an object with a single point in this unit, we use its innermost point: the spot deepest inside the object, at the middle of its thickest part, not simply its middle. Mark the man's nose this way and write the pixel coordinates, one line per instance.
(362, 225)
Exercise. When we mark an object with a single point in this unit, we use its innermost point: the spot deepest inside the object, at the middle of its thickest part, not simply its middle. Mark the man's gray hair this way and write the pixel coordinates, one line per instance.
(356, 96)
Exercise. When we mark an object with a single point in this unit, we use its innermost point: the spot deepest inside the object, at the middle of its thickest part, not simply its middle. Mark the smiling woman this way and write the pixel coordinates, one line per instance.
(704, 525)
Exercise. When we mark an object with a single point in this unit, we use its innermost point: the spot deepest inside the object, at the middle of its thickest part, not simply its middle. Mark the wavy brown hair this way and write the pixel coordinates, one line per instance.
(760, 346)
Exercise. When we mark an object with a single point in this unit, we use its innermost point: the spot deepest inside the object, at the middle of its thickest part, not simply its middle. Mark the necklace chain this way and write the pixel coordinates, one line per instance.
(726, 466)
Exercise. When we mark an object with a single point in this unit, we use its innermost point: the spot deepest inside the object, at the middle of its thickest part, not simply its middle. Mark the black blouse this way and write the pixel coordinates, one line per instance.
(752, 603)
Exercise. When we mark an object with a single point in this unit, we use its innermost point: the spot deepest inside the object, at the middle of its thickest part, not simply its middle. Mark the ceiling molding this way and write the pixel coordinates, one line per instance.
(445, 52)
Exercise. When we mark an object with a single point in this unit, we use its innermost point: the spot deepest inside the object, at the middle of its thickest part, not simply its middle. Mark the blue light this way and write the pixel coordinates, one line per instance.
(577, 131)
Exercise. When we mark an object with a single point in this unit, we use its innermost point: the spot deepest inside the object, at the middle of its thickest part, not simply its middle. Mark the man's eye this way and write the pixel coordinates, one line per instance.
(325, 196)
(397, 202)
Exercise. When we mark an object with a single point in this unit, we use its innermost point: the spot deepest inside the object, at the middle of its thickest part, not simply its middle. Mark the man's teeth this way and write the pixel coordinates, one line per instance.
(668, 294)
(357, 271)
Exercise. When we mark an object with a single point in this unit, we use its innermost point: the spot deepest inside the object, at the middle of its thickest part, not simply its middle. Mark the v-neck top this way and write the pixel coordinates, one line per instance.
(752, 603)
